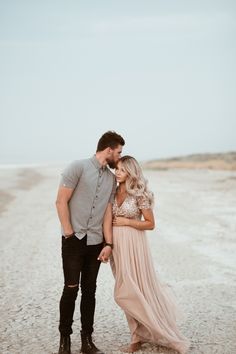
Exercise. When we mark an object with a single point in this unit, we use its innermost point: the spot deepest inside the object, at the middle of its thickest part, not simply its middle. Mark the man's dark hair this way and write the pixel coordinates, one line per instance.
(110, 139)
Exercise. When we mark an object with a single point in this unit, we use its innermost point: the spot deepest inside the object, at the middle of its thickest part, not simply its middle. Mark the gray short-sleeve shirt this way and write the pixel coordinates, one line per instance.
(94, 187)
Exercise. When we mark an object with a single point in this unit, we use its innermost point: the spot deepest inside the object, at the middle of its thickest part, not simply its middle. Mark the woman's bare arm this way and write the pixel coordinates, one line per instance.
(147, 224)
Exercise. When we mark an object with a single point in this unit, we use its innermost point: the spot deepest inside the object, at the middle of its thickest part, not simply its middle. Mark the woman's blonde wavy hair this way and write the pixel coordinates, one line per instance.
(136, 184)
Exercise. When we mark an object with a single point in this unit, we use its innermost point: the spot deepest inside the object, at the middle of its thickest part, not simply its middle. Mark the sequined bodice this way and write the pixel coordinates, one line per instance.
(131, 207)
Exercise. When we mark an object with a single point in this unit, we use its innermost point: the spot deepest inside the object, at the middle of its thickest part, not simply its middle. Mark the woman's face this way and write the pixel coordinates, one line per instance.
(120, 173)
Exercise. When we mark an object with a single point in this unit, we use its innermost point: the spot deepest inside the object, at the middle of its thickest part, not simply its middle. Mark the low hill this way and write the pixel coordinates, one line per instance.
(214, 161)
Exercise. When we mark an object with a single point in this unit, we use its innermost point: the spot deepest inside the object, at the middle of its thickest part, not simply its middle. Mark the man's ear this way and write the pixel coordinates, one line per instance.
(109, 151)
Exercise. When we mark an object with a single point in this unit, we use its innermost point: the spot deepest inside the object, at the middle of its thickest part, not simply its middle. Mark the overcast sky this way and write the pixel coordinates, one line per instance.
(159, 72)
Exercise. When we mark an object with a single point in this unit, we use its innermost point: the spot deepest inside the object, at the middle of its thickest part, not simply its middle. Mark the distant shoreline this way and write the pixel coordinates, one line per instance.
(214, 161)
(208, 161)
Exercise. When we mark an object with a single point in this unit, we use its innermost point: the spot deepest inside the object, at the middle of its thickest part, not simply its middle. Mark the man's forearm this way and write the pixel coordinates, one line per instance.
(64, 217)
(107, 226)
(108, 234)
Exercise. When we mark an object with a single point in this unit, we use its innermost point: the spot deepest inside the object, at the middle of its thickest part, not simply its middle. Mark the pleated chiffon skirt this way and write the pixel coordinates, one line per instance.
(148, 305)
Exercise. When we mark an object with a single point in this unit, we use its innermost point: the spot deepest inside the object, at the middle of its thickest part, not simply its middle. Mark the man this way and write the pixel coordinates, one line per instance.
(85, 193)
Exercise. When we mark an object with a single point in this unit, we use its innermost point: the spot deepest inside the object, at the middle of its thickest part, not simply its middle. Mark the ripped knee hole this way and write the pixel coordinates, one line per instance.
(72, 286)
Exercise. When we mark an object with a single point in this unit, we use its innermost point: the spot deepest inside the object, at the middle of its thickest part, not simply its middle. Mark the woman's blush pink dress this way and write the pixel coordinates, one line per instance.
(147, 303)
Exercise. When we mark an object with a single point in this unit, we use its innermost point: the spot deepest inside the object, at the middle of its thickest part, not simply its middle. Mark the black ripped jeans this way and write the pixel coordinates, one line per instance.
(80, 266)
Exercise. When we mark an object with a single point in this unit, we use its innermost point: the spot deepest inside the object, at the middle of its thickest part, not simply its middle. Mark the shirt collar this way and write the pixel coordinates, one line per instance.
(97, 163)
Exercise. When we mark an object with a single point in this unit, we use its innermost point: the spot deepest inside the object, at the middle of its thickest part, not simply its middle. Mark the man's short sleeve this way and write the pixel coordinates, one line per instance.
(112, 196)
(71, 175)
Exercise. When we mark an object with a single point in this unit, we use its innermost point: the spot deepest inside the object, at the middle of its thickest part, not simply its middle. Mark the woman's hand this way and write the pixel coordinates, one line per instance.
(120, 221)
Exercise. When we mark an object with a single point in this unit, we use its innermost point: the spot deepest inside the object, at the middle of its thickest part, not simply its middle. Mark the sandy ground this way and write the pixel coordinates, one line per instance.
(193, 248)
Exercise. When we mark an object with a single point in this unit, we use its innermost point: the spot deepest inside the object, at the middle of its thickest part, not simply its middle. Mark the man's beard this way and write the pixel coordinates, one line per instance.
(111, 164)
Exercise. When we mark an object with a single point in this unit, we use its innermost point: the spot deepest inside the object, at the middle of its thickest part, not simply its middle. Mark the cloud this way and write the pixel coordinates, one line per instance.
(75, 28)
(22, 43)
(167, 23)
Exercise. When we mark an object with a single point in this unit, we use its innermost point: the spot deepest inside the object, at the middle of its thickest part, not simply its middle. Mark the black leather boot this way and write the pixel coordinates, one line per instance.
(64, 345)
(88, 347)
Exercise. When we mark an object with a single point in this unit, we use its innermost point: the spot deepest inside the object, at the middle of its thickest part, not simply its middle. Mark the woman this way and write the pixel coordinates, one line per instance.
(148, 306)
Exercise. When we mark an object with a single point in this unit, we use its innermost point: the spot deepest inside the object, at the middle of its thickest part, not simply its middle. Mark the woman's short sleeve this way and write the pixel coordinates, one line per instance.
(143, 202)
